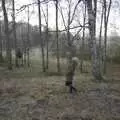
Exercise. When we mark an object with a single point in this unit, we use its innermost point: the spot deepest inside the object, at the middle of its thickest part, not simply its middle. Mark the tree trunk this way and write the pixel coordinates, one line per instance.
(8, 45)
(92, 32)
(14, 33)
(1, 55)
(47, 39)
(42, 47)
(68, 35)
(58, 54)
(106, 17)
(21, 34)
(105, 37)
(28, 41)
(24, 50)
(83, 41)
(100, 39)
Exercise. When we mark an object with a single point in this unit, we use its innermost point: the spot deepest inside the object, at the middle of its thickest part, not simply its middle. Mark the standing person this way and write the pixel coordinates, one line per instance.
(72, 64)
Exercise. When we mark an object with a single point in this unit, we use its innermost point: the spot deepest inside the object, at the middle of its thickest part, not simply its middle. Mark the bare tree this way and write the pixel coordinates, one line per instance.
(58, 56)
(100, 38)
(106, 18)
(70, 18)
(1, 55)
(24, 45)
(42, 47)
(47, 39)
(46, 35)
(68, 28)
(8, 44)
(83, 37)
(28, 40)
(14, 32)
(92, 33)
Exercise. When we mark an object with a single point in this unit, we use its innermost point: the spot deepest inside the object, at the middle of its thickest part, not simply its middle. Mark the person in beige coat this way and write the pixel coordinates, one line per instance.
(70, 72)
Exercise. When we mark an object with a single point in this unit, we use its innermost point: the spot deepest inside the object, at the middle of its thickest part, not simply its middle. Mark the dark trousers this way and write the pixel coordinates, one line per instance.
(72, 89)
(69, 82)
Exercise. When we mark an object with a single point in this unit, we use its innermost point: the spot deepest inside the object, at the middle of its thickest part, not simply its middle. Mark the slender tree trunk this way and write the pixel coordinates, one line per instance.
(105, 36)
(21, 34)
(8, 45)
(94, 51)
(42, 47)
(23, 38)
(25, 52)
(28, 41)
(47, 39)
(83, 40)
(58, 54)
(68, 35)
(100, 39)
(14, 33)
(1, 55)
(106, 17)
(95, 14)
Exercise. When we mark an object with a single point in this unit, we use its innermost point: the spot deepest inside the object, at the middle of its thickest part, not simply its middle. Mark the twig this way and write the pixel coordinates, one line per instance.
(60, 9)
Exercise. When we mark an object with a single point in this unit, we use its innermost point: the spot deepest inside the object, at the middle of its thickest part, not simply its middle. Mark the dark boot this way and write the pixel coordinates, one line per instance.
(74, 89)
(71, 89)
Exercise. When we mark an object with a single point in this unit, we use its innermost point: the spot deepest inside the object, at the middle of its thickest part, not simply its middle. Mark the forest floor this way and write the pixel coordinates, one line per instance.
(28, 94)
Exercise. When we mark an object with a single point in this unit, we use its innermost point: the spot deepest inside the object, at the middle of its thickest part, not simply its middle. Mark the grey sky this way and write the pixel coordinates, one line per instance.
(113, 21)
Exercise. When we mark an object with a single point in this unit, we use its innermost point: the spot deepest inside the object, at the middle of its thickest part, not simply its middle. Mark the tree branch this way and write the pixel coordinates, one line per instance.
(74, 11)
(34, 3)
(60, 9)
(108, 10)
(44, 15)
(75, 27)
(76, 34)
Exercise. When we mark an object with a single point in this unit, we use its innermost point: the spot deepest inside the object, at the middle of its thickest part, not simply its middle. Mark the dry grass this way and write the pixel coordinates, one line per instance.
(29, 94)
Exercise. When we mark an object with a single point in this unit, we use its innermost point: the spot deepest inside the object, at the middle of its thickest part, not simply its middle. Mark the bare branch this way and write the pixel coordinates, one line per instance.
(76, 34)
(34, 3)
(75, 27)
(109, 10)
(60, 9)
(74, 11)
(44, 15)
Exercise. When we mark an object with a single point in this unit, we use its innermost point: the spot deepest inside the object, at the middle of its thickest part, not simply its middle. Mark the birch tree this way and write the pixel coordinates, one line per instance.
(83, 37)
(41, 40)
(47, 39)
(106, 18)
(14, 32)
(100, 38)
(7, 37)
(91, 8)
(46, 34)
(1, 55)
(57, 39)
(28, 40)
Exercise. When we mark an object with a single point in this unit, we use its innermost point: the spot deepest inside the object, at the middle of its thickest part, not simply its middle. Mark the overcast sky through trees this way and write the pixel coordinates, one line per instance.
(113, 27)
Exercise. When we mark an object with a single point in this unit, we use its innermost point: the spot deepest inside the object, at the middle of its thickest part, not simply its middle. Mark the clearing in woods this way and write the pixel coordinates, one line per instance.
(28, 94)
